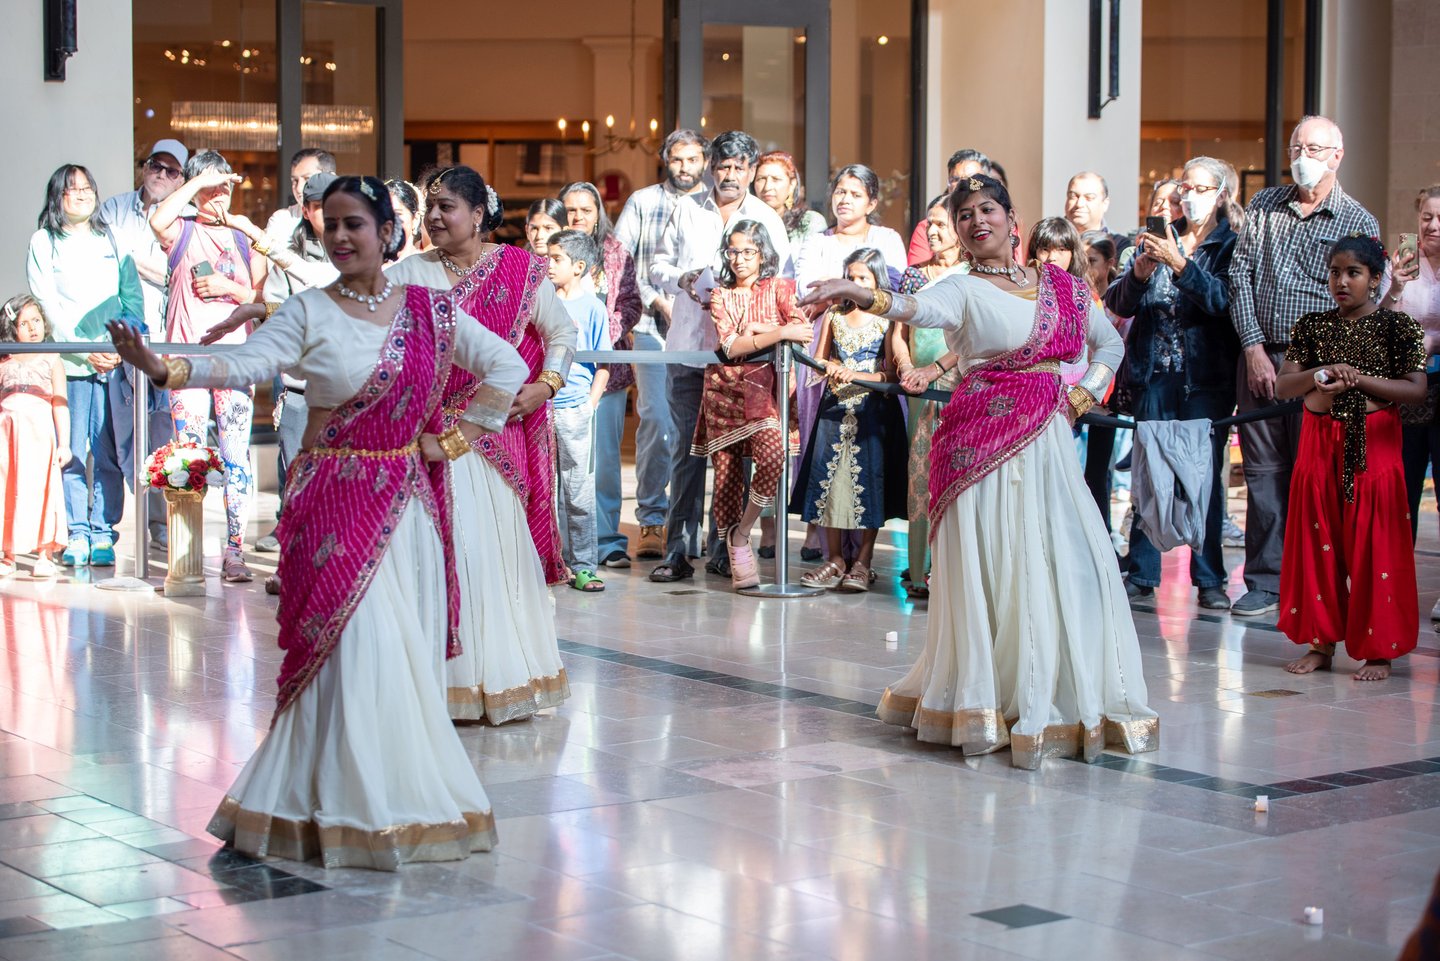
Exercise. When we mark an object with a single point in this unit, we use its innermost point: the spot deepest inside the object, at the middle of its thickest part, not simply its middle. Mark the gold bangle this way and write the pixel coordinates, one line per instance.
(177, 373)
(260, 248)
(552, 380)
(453, 443)
(270, 309)
(1081, 400)
(881, 304)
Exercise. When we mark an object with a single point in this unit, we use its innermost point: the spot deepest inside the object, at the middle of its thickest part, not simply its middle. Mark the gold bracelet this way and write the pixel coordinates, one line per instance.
(177, 373)
(1081, 400)
(881, 304)
(260, 248)
(453, 443)
(552, 380)
(270, 309)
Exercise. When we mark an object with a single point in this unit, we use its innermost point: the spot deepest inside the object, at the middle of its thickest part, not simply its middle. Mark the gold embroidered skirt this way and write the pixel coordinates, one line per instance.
(1030, 641)
(365, 769)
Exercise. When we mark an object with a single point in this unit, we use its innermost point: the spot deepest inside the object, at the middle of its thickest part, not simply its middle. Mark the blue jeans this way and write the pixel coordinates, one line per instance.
(652, 451)
(161, 430)
(1165, 399)
(93, 504)
(609, 429)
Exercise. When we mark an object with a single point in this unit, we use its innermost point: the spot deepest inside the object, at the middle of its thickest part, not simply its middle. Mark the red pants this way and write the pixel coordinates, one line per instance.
(1348, 572)
(728, 499)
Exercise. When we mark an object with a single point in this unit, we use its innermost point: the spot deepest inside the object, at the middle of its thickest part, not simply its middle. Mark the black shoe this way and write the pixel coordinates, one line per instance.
(719, 564)
(905, 574)
(811, 554)
(617, 559)
(674, 569)
(767, 553)
(1214, 599)
(1137, 591)
(1255, 602)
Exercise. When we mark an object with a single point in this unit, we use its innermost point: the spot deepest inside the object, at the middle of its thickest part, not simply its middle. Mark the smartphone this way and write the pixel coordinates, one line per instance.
(1408, 242)
(203, 269)
(1156, 226)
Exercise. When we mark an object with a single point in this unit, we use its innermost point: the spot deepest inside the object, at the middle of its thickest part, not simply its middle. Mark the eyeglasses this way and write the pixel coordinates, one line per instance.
(80, 191)
(732, 253)
(1201, 189)
(1312, 150)
(171, 173)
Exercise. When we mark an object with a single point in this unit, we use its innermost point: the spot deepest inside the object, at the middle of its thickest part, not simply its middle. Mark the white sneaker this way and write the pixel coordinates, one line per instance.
(1231, 534)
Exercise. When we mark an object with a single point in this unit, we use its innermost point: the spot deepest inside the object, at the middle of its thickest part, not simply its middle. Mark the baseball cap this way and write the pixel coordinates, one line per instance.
(174, 148)
(315, 187)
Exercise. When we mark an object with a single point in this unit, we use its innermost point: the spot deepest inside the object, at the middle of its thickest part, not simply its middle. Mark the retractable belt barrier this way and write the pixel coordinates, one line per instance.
(780, 358)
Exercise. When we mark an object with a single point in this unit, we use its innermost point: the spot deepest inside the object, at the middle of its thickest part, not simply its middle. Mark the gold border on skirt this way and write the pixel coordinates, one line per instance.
(514, 704)
(985, 730)
(263, 835)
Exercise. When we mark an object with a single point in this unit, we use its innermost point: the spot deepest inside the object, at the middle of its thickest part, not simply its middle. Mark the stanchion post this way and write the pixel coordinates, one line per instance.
(139, 449)
(782, 586)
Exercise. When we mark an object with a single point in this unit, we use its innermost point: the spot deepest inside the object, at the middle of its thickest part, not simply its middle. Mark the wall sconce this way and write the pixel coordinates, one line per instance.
(60, 37)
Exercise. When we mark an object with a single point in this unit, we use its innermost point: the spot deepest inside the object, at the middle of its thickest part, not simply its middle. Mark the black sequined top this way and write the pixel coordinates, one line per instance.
(1385, 343)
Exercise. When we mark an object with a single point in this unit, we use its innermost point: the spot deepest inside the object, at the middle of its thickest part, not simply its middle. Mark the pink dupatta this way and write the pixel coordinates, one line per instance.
(346, 494)
(499, 291)
(1001, 406)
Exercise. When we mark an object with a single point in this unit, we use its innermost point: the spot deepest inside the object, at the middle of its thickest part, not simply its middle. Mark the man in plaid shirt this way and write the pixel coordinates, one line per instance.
(1279, 273)
(684, 154)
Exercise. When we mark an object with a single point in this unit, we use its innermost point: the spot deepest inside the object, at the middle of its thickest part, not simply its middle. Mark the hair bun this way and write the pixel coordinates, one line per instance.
(494, 210)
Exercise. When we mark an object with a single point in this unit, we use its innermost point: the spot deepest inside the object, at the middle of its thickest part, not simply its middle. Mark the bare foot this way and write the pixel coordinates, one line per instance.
(1314, 661)
(1374, 669)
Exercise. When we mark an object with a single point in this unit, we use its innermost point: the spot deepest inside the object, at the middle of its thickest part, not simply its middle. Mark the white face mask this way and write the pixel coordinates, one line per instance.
(1307, 171)
(1197, 208)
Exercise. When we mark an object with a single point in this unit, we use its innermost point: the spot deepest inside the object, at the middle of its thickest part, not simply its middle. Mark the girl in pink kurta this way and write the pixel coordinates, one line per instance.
(33, 416)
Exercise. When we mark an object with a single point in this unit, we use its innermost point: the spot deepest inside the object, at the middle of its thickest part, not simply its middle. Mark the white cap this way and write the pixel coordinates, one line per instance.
(174, 148)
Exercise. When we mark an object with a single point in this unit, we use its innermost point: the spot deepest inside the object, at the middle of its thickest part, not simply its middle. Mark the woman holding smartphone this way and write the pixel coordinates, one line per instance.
(213, 268)
(1415, 290)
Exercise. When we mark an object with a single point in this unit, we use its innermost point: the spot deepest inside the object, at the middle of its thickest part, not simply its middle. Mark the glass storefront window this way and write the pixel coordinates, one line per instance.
(205, 74)
(755, 81)
(339, 109)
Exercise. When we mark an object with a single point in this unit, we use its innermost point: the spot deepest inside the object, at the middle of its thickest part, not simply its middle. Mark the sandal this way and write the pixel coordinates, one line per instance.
(7, 567)
(672, 571)
(826, 575)
(743, 571)
(44, 568)
(857, 581)
(234, 571)
(587, 581)
(917, 592)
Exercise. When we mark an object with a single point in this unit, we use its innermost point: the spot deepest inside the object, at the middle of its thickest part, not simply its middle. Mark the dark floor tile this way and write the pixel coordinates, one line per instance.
(20, 809)
(1384, 773)
(1344, 779)
(1303, 786)
(15, 927)
(1269, 790)
(270, 888)
(1223, 785)
(1178, 775)
(1020, 916)
(1418, 767)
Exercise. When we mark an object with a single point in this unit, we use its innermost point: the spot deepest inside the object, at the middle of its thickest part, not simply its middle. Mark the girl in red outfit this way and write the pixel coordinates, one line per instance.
(753, 311)
(1349, 568)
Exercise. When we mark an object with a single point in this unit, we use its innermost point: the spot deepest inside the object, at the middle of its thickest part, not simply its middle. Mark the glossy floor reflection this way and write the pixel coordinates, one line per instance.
(717, 787)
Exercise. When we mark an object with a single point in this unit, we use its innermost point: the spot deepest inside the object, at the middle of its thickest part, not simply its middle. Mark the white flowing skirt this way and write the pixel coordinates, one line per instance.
(1030, 642)
(509, 665)
(364, 768)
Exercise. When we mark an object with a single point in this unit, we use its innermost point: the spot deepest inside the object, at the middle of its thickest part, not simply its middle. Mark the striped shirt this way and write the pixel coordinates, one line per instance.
(1280, 269)
(639, 228)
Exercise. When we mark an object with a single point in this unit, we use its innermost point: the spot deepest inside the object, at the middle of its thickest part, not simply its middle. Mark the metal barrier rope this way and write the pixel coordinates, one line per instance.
(780, 358)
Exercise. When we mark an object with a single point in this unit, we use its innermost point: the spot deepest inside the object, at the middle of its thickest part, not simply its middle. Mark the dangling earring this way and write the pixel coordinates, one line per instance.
(1014, 242)
(477, 230)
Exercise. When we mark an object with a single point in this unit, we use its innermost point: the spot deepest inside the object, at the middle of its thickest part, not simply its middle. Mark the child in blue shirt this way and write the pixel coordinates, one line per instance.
(572, 255)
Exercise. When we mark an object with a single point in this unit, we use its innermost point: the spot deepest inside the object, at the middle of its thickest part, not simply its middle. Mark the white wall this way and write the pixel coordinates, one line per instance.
(88, 119)
(1109, 146)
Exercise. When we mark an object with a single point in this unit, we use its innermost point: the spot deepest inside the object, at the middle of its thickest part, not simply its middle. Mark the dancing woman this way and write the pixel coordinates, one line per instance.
(507, 545)
(361, 766)
(1030, 641)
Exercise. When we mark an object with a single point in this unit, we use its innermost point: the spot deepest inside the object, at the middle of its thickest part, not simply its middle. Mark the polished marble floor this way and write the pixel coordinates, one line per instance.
(717, 787)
